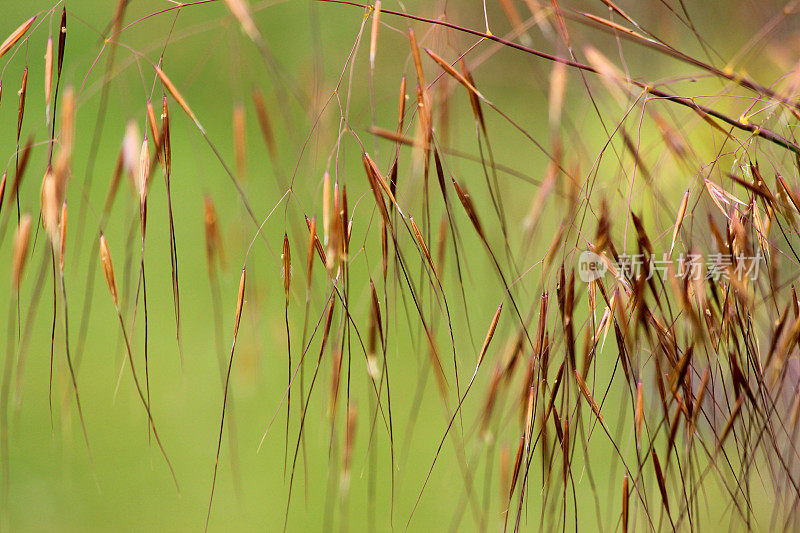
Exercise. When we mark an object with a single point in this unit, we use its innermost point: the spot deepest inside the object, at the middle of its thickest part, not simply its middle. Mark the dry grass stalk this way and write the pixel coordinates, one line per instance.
(454, 73)
(15, 36)
(51, 203)
(108, 269)
(489, 335)
(729, 423)
(265, 124)
(48, 76)
(214, 248)
(349, 445)
(625, 503)
(333, 393)
(177, 96)
(239, 304)
(588, 395)
(240, 139)
(312, 240)
(317, 243)
(558, 88)
(614, 26)
(326, 206)
(612, 77)
(23, 91)
(747, 329)
(466, 202)
(236, 322)
(336, 235)
(639, 416)
(143, 171)
(679, 220)
(62, 243)
(701, 392)
(62, 40)
(662, 487)
(417, 61)
(164, 140)
(517, 467)
(373, 36)
(152, 122)
(3, 189)
(67, 140)
(375, 333)
(423, 246)
(241, 11)
(20, 254)
(131, 148)
(286, 267)
(377, 181)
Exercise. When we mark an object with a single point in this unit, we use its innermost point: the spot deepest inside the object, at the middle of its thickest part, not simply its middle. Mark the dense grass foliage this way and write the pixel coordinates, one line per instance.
(478, 265)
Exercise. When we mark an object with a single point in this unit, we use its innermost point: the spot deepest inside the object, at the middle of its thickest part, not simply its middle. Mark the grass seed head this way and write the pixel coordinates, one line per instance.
(20, 255)
(62, 244)
(639, 416)
(240, 139)
(177, 96)
(165, 139)
(373, 38)
(625, 501)
(214, 249)
(15, 36)
(312, 237)
(3, 188)
(62, 40)
(265, 124)
(349, 444)
(286, 267)
(239, 304)
(241, 11)
(489, 334)
(108, 269)
(50, 206)
(48, 75)
(22, 92)
(151, 121)
(454, 73)
(143, 171)
(588, 395)
(67, 139)
(131, 148)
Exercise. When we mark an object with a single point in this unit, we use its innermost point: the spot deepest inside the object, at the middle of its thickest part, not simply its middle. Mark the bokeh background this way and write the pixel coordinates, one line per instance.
(125, 485)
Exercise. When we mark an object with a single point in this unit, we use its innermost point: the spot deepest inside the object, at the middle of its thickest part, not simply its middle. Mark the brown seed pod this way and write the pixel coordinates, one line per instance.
(286, 267)
(108, 269)
(214, 247)
(20, 257)
(240, 139)
(48, 75)
(239, 305)
(177, 96)
(143, 171)
(265, 124)
(50, 206)
(588, 395)
(373, 39)
(15, 36)
(489, 334)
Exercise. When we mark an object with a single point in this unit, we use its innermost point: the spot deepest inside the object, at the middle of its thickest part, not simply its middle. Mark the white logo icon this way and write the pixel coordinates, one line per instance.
(591, 267)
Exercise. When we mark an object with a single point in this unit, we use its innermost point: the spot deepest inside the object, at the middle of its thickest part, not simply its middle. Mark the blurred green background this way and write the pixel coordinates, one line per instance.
(54, 485)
